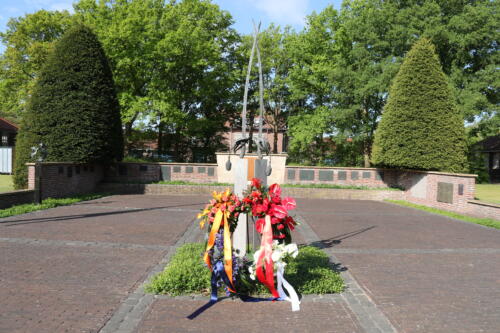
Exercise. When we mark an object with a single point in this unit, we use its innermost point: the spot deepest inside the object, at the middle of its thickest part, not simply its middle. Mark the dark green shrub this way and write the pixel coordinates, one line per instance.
(421, 127)
(73, 109)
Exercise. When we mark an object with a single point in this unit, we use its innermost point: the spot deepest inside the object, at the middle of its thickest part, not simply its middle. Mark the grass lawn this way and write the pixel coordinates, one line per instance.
(482, 221)
(6, 183)
(488, 193)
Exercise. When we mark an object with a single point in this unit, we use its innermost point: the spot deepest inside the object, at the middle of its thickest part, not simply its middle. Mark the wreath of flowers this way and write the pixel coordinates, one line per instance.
(260, 201)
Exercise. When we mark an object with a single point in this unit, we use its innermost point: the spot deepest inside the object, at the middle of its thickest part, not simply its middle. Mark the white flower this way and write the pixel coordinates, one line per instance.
(277, 255)
(252, 272)
(292, 249)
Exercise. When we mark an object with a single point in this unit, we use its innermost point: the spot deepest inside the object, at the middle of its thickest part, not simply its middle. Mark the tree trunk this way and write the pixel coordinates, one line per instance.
(160, 137)
(275, 139)
(367, 150)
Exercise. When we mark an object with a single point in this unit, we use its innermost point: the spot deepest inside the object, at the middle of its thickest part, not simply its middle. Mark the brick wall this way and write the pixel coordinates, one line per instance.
(9, 199)
(154, 172)
(160, 189)
(59, 180)
(484, 210)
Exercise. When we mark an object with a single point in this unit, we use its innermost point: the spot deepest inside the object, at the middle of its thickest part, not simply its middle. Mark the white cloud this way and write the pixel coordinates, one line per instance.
(284, 11)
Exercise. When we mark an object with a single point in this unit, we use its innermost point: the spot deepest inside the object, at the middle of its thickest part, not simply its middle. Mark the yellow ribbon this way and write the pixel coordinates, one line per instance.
(221, 217)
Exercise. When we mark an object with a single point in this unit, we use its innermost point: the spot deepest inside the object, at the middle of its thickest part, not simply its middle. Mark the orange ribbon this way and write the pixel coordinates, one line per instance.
(221, 218)
(266, 247)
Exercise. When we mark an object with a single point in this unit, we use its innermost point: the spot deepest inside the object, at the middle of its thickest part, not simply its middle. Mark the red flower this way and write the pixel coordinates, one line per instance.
(280, 226)
(275, 190)
(278, 211)
(289, 203)
(290, 223)
(259, 225)
(256, 183)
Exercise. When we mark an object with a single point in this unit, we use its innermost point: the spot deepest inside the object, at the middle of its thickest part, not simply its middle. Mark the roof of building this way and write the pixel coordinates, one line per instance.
(490, 144)
(7, 125)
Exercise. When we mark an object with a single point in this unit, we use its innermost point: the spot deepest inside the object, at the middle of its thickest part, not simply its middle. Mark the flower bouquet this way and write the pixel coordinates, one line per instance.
(275, 226)
(221, 216)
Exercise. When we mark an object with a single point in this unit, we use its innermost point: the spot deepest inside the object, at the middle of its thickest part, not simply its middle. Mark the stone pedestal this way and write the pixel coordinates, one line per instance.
(243, 171)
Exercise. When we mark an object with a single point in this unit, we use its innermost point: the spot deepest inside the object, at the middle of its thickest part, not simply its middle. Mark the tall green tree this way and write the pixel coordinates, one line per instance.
(421, 127)
(27, 40)
(74, 110)
(195, 75)
(129, 32)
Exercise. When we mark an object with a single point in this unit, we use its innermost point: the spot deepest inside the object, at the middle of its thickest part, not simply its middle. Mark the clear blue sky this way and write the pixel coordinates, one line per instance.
(282, 12)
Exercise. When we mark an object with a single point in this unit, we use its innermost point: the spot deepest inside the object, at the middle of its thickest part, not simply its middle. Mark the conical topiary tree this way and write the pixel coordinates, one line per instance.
(73, 109)
(421, 127)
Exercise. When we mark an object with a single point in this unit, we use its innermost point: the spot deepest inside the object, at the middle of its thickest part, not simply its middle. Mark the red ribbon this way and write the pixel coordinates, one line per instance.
(266, 247)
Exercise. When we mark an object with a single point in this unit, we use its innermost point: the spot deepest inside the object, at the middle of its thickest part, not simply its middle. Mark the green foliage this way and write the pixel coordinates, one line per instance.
(488, 193)
(73, 110)
(309, 273)
(486, 222)
(48, 203)
(185, 274)
(27, 40)
(421, 127)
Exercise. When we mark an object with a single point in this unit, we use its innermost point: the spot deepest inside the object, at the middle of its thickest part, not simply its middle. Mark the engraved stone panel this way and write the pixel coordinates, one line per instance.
(367, 174)
(143, 168)
(354, 175)
(211, 171)
(165, 172)
(342, 175)
(460, 189)
(291, 174)
(189, 169)
(325, 175)
(445, 192)
(201, 170)
(177, 169)
(306, 174)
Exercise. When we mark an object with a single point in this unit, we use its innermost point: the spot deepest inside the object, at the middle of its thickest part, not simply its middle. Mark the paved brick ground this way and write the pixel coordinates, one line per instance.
(427, 273)
(71, 269)
(169, 315)
(67, 269)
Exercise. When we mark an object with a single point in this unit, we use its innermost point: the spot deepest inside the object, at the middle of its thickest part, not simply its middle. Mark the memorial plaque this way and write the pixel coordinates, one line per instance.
(445, 192)
(306, 175)
(325, 175)
(177, 169)
(379, 175)
(367, 174)
(165, 172)
(460, 189)
(70, 171)
(144, 168)
(189, 169)
(211, 171)
(202, 169)
(342, 175)
(291, 174)
(354, 175)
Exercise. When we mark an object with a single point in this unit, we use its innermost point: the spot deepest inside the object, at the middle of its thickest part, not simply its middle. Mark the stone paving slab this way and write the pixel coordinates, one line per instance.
(377, 225)
(432, 292)
(69, 268)
(157, 221)
(169, 315)
(427, 273)
(65, 289)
